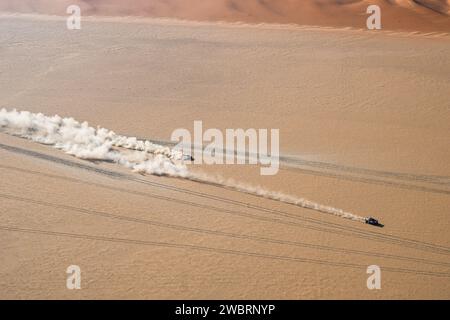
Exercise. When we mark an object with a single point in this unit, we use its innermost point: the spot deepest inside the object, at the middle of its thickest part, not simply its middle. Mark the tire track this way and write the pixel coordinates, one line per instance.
(217, 250)
(323, 226)
(292, 163)
(218, 233)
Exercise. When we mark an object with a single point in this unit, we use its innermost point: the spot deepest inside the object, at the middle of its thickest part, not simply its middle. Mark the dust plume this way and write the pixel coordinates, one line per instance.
(85, 142)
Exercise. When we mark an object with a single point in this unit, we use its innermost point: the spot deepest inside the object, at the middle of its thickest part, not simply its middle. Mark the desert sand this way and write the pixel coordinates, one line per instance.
(364, 126)
(406, 15)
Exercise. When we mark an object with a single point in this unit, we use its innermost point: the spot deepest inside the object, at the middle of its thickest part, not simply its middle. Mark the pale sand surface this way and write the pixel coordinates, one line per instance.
(343, 100)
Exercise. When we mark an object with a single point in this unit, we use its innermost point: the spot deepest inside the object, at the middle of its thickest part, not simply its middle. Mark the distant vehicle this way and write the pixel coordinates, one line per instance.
(374, 222)
(188, 157)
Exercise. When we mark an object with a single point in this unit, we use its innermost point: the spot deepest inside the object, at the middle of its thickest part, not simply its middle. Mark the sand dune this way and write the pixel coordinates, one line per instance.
(415, 15)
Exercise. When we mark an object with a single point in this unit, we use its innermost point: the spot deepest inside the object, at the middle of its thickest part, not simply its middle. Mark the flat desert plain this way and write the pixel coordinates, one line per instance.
(364, 126)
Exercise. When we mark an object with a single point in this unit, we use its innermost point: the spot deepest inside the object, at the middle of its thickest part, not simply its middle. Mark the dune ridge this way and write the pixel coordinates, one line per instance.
(407, 15)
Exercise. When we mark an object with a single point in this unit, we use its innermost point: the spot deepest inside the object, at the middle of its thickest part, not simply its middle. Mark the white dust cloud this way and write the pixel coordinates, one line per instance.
(85, 142)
